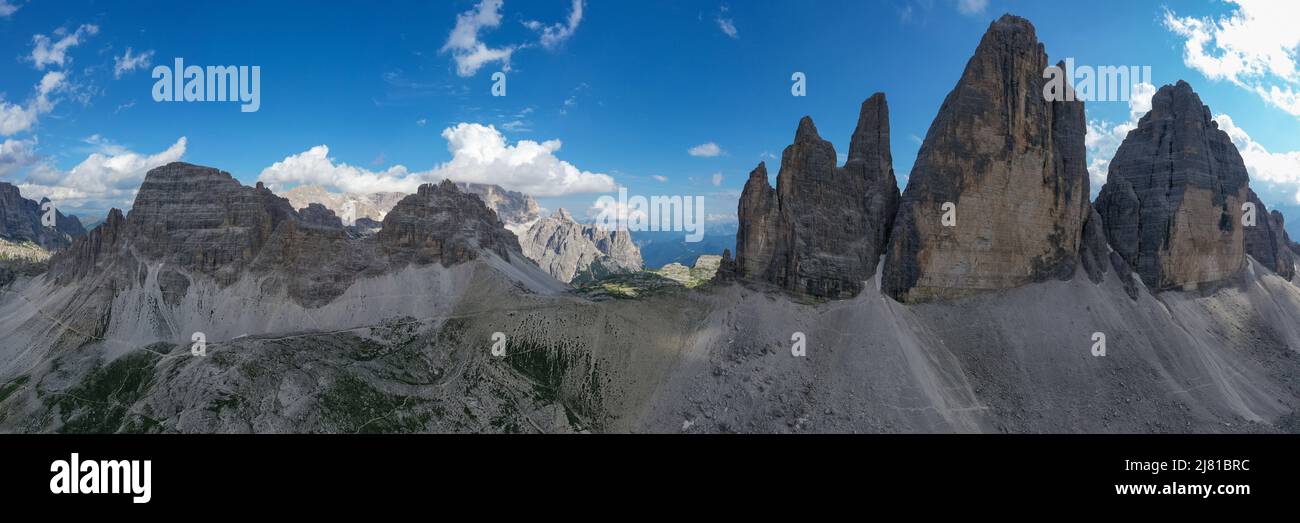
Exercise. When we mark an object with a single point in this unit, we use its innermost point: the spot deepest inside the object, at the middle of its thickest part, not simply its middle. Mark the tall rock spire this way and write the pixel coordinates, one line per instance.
(823, 228)
(999, 191)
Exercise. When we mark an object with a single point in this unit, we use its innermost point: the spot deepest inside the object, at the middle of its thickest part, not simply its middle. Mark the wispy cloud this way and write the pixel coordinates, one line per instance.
(47, 51)
(463, 43)
(129, 62)
(553, 36)
(517, 126)
(726, 24)
(7, 9)
(471, 53)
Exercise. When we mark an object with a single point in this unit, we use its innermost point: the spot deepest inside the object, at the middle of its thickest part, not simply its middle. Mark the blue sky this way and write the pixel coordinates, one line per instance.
(599, 93)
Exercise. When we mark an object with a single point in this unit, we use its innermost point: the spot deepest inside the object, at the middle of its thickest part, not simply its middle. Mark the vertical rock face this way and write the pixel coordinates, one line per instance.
(20, 221)
(93, 250)
(202, 219)
(1094, 254)
(823, 228)
(756, 233)
(1012, 165)
(573, 252)
(1267, 240)
(1173, 197)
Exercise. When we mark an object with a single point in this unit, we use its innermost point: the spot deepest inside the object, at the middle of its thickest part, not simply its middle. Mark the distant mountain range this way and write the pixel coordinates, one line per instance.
(663, 248)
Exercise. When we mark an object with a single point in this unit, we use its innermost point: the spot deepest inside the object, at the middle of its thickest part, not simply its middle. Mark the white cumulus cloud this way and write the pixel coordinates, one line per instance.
(479, 154)
(1254, 47)
(106, 178)
(16, 155)
(15, 118)
(315, 167)
(1270, 168)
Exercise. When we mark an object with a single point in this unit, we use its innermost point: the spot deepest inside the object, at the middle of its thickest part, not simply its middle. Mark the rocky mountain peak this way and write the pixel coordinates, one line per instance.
(320, 216)
(822, 229)
(1173, 196)
(202, 219)
(867, 141)
(573, 252)
(20, 221)
(807, 131)
(999, 191)
(1267, 241)
(441, 223)
(193, 221)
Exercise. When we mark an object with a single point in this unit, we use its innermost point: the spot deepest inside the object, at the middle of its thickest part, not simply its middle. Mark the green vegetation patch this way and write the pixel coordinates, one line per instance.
(9, 388)
(102, 402)
(355, 406)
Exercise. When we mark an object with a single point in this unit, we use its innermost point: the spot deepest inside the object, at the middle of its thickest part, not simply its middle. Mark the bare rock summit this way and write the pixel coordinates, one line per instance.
(998, 194)
(1172, 202)
(822, 230)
